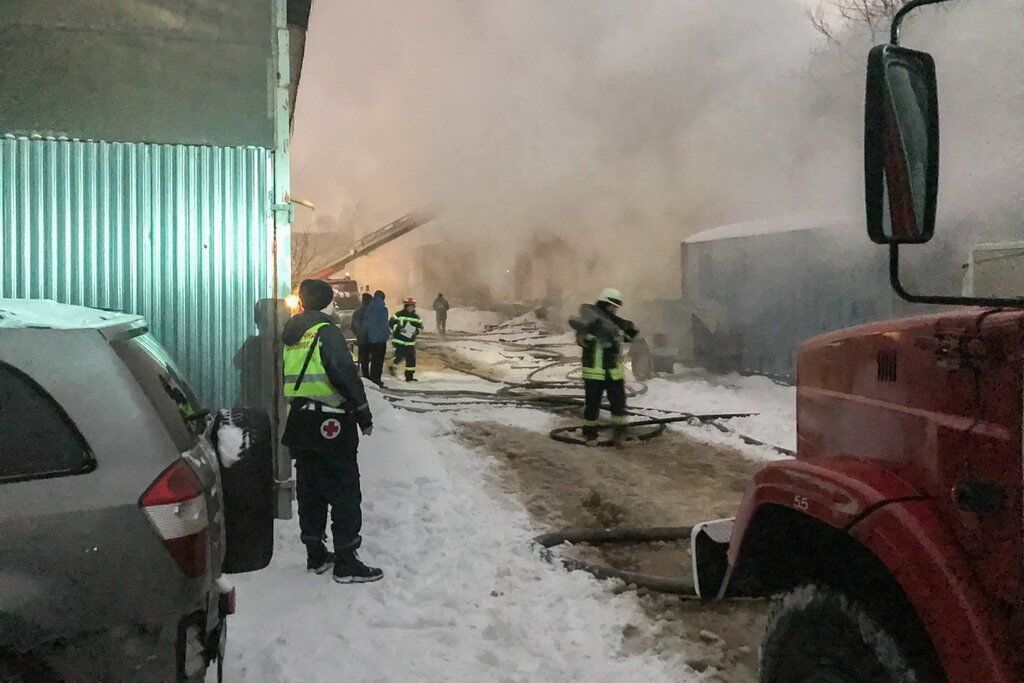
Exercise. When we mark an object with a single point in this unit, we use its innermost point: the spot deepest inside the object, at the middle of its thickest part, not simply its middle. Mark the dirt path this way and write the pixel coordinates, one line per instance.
(670, 481)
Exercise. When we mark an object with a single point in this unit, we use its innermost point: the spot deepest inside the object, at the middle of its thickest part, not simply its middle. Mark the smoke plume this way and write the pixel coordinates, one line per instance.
(620, 128)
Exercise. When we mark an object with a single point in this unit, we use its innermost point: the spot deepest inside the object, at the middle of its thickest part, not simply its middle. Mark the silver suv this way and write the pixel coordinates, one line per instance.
(115, 510)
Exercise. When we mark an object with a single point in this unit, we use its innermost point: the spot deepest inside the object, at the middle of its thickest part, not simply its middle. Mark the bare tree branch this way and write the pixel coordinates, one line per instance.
(873, 15)
(303, 253)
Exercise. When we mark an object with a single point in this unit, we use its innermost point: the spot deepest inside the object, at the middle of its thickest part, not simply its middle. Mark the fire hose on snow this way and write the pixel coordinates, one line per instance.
(529, 394)
(621, 536)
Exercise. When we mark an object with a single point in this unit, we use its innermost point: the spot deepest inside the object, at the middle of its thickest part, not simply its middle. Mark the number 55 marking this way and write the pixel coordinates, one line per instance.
(800, 502)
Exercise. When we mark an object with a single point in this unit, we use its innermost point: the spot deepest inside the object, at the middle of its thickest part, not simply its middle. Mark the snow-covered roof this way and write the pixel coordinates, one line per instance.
(46, 313)
(768, 226)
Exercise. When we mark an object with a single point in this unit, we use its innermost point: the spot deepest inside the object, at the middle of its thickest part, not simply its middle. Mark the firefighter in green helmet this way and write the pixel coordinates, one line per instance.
(602, 333)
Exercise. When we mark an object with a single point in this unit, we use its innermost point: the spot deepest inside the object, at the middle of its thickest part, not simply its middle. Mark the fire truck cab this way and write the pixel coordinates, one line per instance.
(894, 541)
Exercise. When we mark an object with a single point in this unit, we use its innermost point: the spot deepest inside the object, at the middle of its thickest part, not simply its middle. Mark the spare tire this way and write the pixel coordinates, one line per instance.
(244, 449)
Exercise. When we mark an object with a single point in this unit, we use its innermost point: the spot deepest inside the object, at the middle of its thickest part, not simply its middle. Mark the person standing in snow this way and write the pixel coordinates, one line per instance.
(406, 326)
(359, 330)
(319, 376)
(441, 312)
(601, 333)
(375, 322)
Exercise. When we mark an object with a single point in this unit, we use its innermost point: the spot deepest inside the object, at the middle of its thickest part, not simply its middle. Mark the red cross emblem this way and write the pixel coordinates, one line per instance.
(330, 429)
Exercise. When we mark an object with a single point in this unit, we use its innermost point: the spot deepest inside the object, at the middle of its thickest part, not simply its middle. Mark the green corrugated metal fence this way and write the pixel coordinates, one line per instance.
(179, 234)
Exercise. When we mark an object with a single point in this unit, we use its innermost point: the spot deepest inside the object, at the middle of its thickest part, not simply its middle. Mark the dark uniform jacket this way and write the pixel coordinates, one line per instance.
(405, 327)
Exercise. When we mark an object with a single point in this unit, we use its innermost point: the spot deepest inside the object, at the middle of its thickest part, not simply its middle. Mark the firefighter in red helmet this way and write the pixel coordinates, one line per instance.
(406, 326)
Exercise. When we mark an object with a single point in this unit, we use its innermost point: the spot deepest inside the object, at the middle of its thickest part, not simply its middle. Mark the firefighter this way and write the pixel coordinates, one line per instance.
(320, 379)
(601, 333)
(405, 328)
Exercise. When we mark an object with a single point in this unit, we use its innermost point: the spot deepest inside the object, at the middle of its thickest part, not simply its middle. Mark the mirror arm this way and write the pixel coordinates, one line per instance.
(897, 21)
(894, 280)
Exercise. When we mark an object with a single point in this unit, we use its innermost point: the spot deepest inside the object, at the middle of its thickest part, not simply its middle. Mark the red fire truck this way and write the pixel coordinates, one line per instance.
(893, 541)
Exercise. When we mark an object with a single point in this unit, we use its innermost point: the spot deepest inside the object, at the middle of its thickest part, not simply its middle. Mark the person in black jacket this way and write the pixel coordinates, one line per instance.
(327, 479)
(441, 307)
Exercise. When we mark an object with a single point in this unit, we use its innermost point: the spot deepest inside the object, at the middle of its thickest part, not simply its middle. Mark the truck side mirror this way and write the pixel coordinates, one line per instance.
(901, 145)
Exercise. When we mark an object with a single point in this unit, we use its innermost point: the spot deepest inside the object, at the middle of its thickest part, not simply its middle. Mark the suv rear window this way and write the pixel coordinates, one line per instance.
(37, 439)
(163, 385)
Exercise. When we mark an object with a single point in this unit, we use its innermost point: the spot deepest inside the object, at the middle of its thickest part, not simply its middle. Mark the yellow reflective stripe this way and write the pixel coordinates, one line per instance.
(404, 343)
(309, 377)
(315, 383)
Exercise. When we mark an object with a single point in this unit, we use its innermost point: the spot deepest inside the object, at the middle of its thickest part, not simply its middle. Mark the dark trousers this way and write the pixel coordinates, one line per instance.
(442, 322)
(595, 390)
(405, 353)
(376, 354)
(325, 481)
(364, 359)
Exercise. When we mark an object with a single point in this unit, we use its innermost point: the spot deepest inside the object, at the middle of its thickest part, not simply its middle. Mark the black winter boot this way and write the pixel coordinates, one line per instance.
(349, 569)
(318, 558)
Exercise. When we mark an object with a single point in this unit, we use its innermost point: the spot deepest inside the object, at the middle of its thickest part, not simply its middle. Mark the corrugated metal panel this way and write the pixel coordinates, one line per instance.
(179, 234)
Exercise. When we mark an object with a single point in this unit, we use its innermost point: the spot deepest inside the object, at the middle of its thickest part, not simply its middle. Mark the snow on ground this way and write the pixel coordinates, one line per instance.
(441, 380)
(504, 354)
(498, 361)
(464, 598)
(463, 320)
(696, 391)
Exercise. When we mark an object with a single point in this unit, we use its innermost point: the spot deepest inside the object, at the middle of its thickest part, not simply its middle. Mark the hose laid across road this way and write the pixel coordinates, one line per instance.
(682, 587)
(563, 434)
(529, 394)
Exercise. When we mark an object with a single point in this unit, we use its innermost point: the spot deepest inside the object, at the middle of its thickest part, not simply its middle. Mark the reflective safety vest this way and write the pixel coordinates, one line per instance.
(600, 361)
(315, 385)
(405, 328)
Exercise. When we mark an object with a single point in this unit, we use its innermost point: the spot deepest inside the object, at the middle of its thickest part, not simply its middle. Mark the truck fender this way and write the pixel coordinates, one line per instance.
(887, 519)
(835, 491)
(969, 630)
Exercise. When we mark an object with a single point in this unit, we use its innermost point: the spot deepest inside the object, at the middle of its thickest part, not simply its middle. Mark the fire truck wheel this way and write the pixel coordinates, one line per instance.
(820, 635)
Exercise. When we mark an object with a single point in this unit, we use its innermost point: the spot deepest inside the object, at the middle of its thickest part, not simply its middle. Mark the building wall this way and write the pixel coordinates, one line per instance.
(750, 301)
(179, 234)
(197, 72)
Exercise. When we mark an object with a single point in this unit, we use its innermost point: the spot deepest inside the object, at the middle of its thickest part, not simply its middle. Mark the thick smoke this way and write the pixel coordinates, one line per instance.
(619, 127)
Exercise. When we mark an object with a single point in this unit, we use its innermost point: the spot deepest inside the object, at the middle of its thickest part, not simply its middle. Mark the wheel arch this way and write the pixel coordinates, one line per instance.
(784, 548)
(897, 556)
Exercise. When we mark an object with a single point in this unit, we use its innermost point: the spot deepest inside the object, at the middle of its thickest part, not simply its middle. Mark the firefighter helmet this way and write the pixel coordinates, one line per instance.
(610, 295)
(409, 301)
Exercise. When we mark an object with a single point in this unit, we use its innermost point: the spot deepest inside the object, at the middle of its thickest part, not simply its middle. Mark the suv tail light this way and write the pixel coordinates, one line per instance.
(176, 506)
